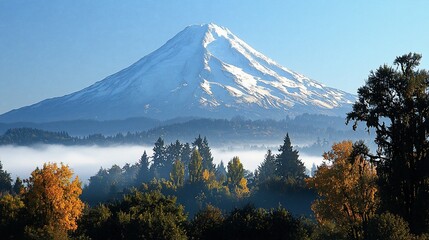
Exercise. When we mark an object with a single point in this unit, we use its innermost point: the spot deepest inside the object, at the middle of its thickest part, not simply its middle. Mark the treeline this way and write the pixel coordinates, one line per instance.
(360, 195)
(176, 193)
(155, 199)
(187, 172)
(304, 128)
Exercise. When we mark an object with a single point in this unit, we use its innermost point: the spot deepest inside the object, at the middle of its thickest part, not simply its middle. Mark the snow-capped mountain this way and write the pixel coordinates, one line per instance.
(204, 71)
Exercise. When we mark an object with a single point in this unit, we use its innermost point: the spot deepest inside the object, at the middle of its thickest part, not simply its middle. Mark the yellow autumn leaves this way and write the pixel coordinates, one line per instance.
(53, 199)
(347, 189)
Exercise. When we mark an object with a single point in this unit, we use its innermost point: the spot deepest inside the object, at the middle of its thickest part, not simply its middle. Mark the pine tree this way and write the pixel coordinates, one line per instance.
(267, 169)
(5, 180)
(207, 156)
(186, 158)
(221, 172)
(205, 151)
(159, 159)
(288, 165)
(173, 153)
(143, 174)
(313, 170)
(17, 186)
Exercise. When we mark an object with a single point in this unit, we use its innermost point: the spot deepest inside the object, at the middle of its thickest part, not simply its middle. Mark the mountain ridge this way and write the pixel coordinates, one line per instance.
(203, 71)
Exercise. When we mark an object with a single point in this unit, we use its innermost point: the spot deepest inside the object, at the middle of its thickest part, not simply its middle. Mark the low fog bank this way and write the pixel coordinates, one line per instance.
(86, 161)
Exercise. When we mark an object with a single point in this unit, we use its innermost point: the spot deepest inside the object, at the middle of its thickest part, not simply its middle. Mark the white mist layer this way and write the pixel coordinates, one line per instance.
(86, 161)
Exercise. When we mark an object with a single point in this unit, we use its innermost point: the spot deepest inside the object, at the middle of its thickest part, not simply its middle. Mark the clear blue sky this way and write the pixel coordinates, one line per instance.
(51, 48)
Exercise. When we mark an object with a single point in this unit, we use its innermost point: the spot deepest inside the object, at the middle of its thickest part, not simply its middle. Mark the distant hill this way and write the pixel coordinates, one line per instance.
(86, 127)
(305, 129)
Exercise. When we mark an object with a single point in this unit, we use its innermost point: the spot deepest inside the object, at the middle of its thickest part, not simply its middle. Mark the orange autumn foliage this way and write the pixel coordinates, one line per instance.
(53, 197)
(347, 190)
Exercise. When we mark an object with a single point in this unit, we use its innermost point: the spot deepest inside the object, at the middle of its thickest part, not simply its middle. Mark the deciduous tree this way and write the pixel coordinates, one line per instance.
(347, 189)
(177, 175)
(236, 180)
(196, 167)
(395, 103)
(52, 200)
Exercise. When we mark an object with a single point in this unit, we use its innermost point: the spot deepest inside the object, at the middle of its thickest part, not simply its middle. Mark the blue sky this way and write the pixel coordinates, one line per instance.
(52, 48)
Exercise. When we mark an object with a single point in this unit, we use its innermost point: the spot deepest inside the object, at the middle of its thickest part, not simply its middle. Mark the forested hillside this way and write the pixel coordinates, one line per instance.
(305, 129)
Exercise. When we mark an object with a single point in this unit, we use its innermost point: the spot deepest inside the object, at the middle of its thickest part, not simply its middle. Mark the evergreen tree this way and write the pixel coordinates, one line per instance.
(221, 172)
(198, 143)
(129, 174)
(173, 153)
(143, 174)
(288, 165)
(115, 181)
(207, 156)
(196, 167)
(186, 158)
(313, 170)
(17, 186)
(98, 188)
(5, 180)
(205, 151)
(395, 103)
(267, 169)
(159, 159)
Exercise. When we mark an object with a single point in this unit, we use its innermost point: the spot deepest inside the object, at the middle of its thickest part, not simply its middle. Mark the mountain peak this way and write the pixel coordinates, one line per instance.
(203, 71)
(212, 27)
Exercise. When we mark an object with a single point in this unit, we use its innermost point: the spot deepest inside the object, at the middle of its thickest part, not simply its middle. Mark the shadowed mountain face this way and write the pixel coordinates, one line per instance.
(203, 71)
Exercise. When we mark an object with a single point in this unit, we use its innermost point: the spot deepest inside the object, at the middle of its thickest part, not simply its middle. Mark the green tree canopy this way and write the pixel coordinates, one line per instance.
(235, 171)
(203, 148)
(177, 175)
(395, 103)
(5, 180)
(159, 159)
(149, 215)
(267, 169)
(196, 167)
(143, 173)
(236, 180)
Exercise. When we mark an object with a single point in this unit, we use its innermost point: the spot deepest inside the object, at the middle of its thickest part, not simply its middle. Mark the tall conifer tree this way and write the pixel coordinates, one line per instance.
(288, 164)
(159, 159)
